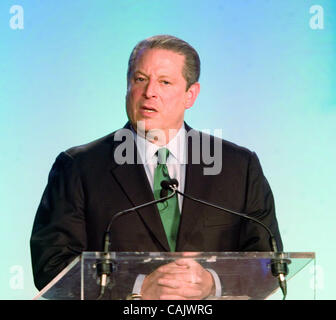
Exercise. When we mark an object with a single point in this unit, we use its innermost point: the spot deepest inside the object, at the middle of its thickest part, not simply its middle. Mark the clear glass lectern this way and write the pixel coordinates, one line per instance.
(242, 275)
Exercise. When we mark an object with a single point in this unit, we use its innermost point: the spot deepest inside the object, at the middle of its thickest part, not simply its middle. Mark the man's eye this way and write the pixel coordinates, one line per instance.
(165, 82)
(139, 79)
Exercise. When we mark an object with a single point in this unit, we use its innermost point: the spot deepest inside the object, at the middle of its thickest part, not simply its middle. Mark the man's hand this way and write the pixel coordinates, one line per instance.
(183, 279)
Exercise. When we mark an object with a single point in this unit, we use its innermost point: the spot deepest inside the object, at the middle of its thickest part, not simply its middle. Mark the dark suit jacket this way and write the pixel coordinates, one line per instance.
(86, 187)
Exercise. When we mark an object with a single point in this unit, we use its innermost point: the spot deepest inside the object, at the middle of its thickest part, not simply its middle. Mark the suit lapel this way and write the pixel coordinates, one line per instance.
(192, 212)
(133, 180)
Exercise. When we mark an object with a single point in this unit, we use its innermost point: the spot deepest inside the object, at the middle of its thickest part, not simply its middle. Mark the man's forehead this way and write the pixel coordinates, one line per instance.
(165, 61)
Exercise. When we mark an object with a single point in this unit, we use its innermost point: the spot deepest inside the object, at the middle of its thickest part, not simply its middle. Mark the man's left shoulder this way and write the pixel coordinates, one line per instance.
(227, 148)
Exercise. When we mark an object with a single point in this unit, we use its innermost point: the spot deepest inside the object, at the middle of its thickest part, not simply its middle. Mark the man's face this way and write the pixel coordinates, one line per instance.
(157, 93)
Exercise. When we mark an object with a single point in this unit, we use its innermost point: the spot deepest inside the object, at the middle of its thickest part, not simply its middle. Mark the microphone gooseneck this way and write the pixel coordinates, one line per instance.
(106, 267)
(279, 265)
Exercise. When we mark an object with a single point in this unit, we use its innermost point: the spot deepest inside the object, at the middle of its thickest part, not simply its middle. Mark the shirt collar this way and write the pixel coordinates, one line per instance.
(176, 147)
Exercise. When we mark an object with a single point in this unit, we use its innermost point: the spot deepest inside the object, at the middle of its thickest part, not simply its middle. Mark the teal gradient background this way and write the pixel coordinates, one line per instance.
(267, 80)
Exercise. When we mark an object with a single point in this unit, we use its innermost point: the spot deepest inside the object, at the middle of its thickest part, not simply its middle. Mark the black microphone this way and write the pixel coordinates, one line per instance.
(278, 266)
(106, 266)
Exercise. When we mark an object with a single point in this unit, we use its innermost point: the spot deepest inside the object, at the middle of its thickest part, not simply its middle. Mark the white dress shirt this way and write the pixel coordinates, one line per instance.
(176, 161)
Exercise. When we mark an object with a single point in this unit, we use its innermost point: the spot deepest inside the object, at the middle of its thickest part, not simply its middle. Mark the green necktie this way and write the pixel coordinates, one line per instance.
(169, 209)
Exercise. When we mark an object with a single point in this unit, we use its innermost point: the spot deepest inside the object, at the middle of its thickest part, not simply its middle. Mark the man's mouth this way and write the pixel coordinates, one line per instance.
(148, 109)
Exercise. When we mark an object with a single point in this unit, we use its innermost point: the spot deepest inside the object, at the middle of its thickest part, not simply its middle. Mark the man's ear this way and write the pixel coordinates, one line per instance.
(192, 94)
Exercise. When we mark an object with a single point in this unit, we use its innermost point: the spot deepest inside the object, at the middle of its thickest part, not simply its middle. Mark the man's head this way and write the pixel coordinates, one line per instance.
(162, 83)
(192, 65)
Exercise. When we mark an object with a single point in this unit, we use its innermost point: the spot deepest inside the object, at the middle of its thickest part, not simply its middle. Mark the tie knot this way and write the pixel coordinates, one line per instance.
(162, 155)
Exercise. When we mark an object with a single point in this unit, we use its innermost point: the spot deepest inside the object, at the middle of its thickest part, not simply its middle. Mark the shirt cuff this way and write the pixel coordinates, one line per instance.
(218, 285)
(138, 283)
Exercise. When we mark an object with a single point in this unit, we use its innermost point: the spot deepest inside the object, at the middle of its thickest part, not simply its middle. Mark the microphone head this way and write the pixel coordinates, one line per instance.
(167, 184)
(174, 182)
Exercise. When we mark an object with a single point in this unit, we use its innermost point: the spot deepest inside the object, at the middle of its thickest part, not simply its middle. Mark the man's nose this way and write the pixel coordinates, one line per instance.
(150, 89)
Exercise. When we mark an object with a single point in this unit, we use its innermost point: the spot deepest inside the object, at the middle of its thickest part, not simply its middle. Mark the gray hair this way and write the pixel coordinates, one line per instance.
(192, 64)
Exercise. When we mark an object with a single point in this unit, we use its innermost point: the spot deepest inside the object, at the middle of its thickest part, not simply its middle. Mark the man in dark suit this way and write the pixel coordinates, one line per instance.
(87, 184)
